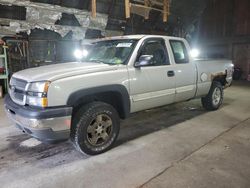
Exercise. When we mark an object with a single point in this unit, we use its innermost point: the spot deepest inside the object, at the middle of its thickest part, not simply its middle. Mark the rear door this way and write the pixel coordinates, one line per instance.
(185, 71)
(153, 85)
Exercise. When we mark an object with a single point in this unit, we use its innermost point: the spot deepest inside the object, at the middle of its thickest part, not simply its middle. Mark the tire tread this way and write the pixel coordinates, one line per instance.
(82, 115)
(207, 101)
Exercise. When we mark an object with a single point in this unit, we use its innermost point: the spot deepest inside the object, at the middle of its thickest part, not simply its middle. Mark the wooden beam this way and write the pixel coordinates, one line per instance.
(127, 8)
(93, 7)
(168, 7)
(165, 10)
(146, 3)
(151, 2)
(154, 2)
(146, 7)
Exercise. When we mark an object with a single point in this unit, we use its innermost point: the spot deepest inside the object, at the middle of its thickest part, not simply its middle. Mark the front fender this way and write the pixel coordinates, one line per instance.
(84, 96)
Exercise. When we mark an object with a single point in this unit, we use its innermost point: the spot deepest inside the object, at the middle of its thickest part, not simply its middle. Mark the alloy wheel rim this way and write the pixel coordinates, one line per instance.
(216, 96)
(99, 130)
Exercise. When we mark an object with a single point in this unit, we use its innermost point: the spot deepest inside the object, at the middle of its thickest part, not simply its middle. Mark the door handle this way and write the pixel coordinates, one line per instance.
(171, 73)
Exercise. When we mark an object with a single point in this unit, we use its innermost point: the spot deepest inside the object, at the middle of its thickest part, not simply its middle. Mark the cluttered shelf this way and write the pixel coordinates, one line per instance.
(4, 73)
(3, 76)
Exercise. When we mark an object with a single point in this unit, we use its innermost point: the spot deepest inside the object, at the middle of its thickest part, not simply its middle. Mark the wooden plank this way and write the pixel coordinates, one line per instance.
(127, 8)
(146, 14)
(151, 2)
(165, 9)
(154, 2)
(168, 9)
(149, 8)
(147, 5)
(93, 7)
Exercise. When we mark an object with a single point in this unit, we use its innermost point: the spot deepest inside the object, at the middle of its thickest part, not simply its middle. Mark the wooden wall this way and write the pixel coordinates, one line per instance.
(226, 18)
(225, 31)
(215, 21)
(242, 17)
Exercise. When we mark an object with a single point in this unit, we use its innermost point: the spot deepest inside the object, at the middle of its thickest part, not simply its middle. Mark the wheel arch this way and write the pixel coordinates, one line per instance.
(115, 95)
(220, 77)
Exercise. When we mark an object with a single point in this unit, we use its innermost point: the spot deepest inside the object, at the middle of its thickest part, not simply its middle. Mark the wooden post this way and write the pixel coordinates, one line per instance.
(168, 8)
(146, 3)
(165, 10)
(127, 9)
(93, 7)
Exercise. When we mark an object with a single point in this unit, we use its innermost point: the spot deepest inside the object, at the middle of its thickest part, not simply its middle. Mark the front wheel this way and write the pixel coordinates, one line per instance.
(95, 128)
(214, 98)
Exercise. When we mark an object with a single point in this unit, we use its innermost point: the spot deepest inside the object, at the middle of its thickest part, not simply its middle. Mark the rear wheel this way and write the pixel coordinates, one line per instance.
(214, 98)
(96, 127)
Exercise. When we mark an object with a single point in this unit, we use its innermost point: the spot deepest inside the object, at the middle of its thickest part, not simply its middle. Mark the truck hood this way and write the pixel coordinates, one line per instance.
(62, 70)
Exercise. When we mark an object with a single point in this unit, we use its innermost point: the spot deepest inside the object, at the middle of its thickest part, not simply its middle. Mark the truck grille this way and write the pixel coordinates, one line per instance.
(17, 90)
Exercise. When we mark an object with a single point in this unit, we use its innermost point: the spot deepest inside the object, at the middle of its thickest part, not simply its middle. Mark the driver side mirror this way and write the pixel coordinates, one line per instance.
(144, 60)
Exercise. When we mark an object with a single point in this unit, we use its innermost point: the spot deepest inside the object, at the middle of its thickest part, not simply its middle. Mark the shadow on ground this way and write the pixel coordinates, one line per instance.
(139, 124)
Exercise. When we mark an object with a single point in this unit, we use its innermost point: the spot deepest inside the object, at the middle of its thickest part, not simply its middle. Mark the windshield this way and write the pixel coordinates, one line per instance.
(110, 51)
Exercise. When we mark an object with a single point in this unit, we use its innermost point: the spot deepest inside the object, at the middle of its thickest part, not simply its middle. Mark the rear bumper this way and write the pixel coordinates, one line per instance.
(47, 125)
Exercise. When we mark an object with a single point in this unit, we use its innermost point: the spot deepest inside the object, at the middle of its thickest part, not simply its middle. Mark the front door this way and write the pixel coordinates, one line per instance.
(152, 85)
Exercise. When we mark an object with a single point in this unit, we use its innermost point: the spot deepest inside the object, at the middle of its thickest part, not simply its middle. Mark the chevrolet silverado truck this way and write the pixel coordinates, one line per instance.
(84, 101)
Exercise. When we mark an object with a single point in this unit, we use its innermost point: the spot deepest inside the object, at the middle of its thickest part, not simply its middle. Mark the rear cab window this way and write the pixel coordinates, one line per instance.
(179, 51)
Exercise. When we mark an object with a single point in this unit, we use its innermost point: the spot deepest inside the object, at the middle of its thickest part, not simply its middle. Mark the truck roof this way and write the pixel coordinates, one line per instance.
(135, 37)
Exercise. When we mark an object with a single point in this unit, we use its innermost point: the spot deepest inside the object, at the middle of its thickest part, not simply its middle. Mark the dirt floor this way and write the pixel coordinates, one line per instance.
(179, 145)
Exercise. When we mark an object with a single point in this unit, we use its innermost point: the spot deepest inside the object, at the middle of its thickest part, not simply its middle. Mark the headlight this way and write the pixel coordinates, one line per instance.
(39, 87)
(37, 94)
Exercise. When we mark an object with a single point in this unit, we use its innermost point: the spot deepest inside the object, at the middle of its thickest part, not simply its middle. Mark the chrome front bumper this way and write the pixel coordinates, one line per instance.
(47, 125)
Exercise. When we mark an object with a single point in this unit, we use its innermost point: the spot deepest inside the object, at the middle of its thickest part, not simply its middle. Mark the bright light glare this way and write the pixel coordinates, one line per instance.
(79, 54)
(85, 53)
(194, 53)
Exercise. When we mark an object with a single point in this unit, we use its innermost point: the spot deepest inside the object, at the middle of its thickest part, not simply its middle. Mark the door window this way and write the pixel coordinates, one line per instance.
(157, 49)
(179, 51)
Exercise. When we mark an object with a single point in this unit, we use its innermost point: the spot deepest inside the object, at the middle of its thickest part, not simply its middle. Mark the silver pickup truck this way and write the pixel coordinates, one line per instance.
(117, 76)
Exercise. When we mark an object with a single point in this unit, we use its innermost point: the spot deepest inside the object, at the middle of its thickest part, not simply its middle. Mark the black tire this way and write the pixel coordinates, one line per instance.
(89, 124)
(209, 102)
